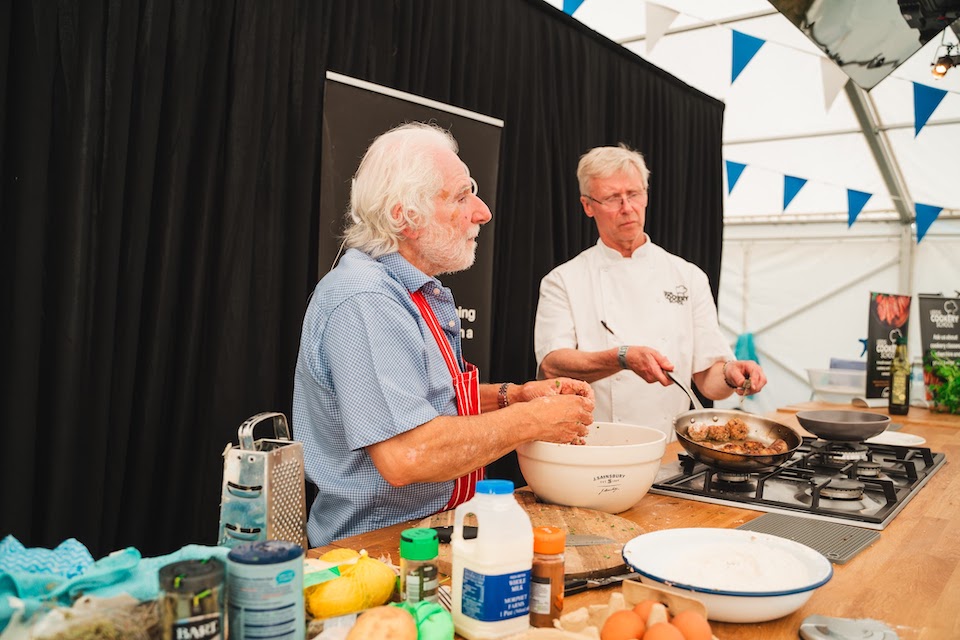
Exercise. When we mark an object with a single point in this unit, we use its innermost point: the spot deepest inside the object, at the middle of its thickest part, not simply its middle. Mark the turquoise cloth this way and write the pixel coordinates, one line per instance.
(49, 579)
(70, 558)
(745, 349)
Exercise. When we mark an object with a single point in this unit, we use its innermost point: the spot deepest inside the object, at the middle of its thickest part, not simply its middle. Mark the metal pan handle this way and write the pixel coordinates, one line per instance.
(690, 394)
(280, 429)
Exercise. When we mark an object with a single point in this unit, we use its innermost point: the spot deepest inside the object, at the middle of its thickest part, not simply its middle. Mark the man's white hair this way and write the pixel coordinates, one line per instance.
(399, 168)
(603, 162)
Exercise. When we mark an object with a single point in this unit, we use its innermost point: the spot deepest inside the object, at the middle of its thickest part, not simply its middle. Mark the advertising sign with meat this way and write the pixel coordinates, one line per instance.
(889, 316)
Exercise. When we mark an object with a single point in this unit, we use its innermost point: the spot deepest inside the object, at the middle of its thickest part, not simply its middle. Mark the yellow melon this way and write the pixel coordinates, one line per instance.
(367, 583)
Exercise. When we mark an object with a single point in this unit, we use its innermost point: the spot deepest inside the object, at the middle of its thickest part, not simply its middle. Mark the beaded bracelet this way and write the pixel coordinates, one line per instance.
(502, 400)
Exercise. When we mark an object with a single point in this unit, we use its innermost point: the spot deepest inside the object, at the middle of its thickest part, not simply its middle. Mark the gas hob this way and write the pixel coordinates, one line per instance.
(861, 484)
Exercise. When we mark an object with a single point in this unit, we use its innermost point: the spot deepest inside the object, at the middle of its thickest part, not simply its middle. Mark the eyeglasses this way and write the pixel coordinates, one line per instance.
(618, 200)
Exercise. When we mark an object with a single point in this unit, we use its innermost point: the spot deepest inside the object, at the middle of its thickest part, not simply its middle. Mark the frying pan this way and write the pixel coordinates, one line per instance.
(843, 426)
(761, 429)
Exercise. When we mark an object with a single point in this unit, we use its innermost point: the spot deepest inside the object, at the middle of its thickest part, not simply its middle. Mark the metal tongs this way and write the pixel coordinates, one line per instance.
(746, 390)
(696, 401)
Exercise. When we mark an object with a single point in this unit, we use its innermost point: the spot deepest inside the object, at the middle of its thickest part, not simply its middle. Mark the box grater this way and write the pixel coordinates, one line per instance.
(263, 495)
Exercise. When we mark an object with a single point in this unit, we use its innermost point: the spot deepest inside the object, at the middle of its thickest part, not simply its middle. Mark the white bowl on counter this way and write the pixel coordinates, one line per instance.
(610, 472)
(740, 576)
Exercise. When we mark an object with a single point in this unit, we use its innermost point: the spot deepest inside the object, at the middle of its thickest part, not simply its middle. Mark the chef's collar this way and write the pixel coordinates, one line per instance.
(613, 255)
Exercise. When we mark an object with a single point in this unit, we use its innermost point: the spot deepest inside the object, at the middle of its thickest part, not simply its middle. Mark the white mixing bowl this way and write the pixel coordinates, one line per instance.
(740, 576)
(610, 473)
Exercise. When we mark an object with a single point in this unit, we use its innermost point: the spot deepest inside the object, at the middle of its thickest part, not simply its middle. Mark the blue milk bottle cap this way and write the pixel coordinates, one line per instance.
(496, 487)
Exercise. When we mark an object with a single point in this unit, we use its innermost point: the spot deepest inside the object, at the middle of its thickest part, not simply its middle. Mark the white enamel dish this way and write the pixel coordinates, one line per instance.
(740, 576)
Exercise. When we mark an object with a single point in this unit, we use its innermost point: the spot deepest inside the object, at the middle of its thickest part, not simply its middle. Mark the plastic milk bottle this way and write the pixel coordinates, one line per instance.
(491, 573)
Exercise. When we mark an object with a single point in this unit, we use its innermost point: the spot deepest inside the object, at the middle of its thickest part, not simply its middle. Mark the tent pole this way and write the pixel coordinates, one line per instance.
(866, 113)
(907, 258)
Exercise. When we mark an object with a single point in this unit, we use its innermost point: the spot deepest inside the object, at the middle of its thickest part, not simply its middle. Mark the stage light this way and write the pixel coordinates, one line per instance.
(944, 62)
(942, 66)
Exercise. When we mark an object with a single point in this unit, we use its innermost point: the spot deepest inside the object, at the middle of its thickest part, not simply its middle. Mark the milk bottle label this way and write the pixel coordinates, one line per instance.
(494, 598)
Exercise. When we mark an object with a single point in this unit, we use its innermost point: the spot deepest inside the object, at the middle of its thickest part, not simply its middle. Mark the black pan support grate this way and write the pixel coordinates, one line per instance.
(796, 485)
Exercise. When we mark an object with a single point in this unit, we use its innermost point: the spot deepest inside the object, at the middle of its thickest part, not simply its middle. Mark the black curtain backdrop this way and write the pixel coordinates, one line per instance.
(158, 219)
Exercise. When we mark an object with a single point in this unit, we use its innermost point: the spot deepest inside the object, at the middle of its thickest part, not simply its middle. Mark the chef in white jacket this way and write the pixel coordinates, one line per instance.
(624, 311)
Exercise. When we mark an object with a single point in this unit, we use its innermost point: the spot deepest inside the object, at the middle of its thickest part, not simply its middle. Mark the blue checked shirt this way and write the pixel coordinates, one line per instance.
(369, 369)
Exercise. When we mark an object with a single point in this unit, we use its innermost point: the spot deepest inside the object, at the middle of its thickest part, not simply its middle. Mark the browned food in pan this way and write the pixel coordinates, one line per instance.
(737, 428)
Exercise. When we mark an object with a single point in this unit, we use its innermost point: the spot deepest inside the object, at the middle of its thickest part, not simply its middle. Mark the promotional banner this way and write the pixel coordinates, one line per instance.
(939, 332)
(889, 316)
(354, 113)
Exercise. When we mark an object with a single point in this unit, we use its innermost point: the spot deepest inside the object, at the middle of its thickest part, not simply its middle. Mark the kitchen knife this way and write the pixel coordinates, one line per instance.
(573, 540)
(585, 540)
(571, 587)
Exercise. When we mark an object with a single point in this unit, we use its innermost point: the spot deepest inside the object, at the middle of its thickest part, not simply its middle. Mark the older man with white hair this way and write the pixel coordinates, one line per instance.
(394, 422)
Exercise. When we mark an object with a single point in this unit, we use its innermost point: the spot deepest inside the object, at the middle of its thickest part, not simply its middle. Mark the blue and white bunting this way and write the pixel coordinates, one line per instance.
(659, 20)
(925, 102)
(734, 169)
(855, 203)
(926, 214)
(791, 187)
(570, 6)
(744, 48)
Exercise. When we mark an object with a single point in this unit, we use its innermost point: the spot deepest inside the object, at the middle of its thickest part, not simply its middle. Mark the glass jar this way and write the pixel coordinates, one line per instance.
(191, 605)
(546, 578)
(418, 565)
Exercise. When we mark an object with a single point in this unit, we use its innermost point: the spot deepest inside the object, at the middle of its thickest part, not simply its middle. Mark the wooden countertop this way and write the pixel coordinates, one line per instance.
(909, 579)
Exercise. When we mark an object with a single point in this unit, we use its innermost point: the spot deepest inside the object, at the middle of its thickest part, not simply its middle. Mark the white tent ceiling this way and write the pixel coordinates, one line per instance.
(802, 290)
(776, 121)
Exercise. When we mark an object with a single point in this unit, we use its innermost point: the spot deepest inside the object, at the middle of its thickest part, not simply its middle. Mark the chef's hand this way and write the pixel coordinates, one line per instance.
(554, 387)
(649, 364)
(560, 418)
(737, 371)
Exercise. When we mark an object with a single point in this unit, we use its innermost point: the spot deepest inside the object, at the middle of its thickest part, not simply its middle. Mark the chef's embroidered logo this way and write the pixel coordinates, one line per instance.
(678, 297)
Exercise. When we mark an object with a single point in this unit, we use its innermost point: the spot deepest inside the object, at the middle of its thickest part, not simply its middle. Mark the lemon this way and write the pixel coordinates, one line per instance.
(367, 583)
(340, 555)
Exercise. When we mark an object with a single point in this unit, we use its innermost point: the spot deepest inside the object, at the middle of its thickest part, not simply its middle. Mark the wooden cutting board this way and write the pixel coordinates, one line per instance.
(594, 561)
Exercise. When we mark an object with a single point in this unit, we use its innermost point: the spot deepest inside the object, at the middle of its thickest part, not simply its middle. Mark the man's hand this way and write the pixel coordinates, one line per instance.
(555, 387)
(737, 371)
(649, 364)
(561, 418)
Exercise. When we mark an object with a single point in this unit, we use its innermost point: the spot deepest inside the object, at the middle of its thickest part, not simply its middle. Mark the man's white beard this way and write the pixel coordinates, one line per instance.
(447, 250)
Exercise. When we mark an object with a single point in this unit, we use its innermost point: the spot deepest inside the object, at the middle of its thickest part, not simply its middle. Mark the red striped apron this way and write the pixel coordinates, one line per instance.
(466, 385)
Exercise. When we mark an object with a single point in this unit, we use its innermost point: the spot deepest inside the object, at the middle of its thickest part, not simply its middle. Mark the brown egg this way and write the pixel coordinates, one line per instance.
(623, 625)
(692, 625)
(663, 631)
(643, 607)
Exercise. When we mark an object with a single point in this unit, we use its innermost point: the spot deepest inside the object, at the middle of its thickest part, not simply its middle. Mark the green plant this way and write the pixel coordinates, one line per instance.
(943, 382)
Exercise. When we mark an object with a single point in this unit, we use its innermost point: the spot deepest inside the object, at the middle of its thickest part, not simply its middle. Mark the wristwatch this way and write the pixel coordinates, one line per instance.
(622, 356)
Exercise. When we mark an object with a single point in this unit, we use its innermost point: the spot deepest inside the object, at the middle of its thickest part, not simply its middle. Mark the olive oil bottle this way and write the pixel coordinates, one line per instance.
(900, 379)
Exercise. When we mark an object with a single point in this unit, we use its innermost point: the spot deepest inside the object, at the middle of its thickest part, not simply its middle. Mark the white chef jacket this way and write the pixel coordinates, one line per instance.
(653, 299)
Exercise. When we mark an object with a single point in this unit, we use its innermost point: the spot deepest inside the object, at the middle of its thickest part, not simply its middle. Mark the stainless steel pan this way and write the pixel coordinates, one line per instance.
(843, 426)
(761, 429)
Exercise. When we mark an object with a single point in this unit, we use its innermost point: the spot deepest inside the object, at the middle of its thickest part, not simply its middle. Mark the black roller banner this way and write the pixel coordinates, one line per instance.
(889, 317)
(354, 113)
(939, 330)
